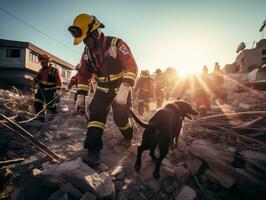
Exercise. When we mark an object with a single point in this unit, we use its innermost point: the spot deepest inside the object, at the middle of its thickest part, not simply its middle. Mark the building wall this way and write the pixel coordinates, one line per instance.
(14, 62)
(32, 61)
(19, 66)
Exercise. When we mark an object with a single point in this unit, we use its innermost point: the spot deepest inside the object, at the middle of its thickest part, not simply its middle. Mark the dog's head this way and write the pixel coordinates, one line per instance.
(185, 109)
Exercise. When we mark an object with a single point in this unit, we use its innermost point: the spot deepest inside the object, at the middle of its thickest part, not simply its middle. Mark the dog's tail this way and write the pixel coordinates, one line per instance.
(137, 119)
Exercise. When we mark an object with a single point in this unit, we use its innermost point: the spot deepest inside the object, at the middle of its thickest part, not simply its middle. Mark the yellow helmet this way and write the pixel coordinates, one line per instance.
(82, 25)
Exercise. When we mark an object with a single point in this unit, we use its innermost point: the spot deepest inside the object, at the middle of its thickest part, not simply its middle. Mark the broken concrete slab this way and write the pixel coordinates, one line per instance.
(215, 156)
(182, 174)
(187, 193)
(256, 158)
(194, 165)
(71, 190)
(81, 176)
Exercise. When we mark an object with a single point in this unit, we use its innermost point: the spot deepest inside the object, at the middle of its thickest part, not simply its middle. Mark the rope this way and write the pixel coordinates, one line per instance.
(31, 119)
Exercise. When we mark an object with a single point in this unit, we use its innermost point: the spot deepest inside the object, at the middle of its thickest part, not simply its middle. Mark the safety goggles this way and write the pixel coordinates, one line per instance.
(75, 31)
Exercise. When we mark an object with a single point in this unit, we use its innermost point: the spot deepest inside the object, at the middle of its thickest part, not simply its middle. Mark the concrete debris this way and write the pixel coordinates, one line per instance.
(227, 155)
(194, 165)
(71, 190)
(88, 196)
(187, 193)
(81, 176)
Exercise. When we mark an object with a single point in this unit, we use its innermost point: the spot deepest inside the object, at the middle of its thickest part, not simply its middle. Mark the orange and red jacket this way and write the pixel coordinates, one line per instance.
(74, 81)
(111, 62)
(49, 79)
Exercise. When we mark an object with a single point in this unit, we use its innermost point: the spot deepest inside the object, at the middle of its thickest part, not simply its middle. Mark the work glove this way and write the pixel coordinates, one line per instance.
(122, 95)
(80, 103)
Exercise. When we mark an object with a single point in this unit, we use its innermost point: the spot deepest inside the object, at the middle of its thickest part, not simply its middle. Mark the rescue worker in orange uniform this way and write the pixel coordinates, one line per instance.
(202, 91)
(145, 90)
(49, 86)
(199, 90)
(205, 74)
(110, 60)
(74, 82)
(171, 79)
(159, 87)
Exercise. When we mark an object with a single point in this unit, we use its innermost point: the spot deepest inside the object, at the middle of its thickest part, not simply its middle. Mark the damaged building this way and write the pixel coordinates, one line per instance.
(249, 67)
(19, 64)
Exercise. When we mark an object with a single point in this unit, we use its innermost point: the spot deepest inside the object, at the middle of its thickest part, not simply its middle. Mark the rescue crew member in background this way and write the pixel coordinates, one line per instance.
(145, 91)
(74, 81)
(115, 70)
(171, 79)
(49, 86)
(159, 87)
(199, 90)
(218, 81)
(217, 75)
(205, 74)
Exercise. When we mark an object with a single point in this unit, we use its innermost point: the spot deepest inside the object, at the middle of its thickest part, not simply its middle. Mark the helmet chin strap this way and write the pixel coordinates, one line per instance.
(95, 38)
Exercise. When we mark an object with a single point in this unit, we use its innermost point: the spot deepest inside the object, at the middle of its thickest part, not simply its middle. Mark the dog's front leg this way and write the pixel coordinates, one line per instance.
(164, 148)
(138, 160)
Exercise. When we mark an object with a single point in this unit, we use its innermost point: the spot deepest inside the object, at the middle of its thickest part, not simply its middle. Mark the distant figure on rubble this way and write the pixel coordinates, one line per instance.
(218, 81)
(145, 91)
(171, 78)
(112, 63)
(217, 75)
(205, 74)
(48, 87)
(200, 93)
(159, 87)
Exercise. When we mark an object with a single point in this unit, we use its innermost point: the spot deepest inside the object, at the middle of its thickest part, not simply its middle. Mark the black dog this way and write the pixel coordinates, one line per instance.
(163, 130)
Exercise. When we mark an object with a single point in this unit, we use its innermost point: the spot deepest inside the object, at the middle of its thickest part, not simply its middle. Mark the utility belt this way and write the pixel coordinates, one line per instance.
(47, 86)
(110, 82)
(109, 78)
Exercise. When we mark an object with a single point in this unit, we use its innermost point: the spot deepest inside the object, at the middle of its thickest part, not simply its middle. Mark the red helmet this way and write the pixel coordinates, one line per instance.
(44, 57)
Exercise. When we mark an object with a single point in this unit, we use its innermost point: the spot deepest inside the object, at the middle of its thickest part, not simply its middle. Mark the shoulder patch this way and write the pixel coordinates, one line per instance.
(124, 49)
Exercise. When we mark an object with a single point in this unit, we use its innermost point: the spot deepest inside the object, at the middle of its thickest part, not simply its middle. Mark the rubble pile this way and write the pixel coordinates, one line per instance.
(19, 107)
(248, 100)
(14, 102)
(217, 157)
(69, 180)
(233, 152)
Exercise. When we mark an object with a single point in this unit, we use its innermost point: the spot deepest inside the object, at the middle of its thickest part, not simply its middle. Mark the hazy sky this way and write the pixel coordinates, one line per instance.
(182, 34)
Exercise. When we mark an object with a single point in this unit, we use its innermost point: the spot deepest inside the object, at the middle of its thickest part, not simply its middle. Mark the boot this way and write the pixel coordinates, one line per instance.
(92, 158)
(128, 135)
